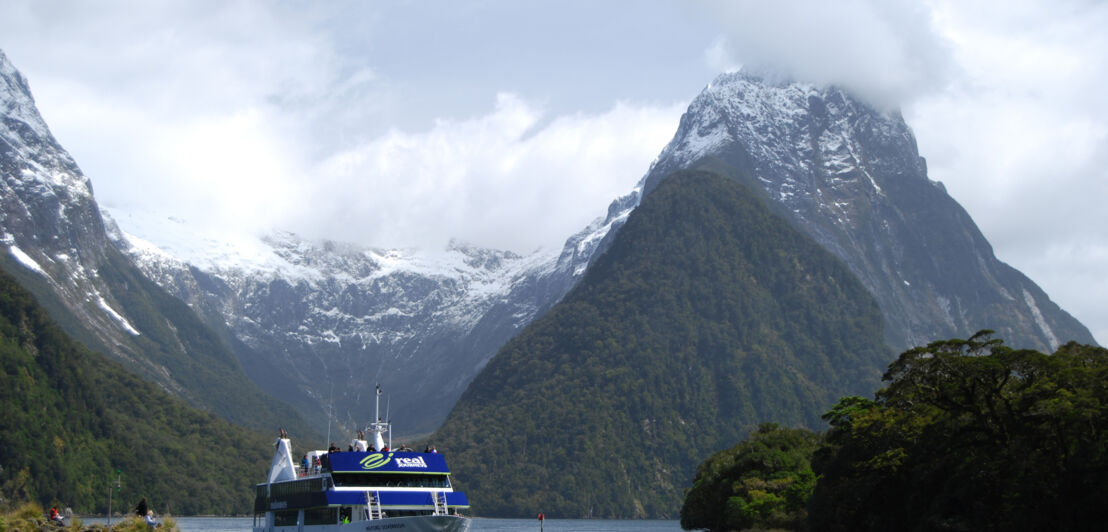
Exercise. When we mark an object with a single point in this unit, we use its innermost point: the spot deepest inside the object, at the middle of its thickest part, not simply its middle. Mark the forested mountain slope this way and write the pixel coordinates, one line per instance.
(72, 418)
(707, 315)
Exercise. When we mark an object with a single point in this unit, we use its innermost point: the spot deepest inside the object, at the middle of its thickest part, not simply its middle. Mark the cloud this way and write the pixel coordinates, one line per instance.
(883, 50)
(211, 111)
(249, 116)
(1018, 139)
(513, 178)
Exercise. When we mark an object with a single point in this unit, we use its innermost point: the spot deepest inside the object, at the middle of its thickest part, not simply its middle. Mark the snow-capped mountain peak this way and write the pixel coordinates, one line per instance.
(850, 175)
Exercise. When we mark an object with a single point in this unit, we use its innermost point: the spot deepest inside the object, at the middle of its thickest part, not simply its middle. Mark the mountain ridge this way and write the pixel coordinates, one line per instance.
(847, 174)
(851, 176)
(707, 315)
(57, 245)
(345, 306)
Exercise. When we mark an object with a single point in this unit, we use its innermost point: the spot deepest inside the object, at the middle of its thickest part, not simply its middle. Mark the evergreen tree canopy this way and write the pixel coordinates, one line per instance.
(72, 419)
(971, 435)
(762, 483)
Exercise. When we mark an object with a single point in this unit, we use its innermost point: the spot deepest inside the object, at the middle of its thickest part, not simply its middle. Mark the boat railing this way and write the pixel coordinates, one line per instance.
(310, 471)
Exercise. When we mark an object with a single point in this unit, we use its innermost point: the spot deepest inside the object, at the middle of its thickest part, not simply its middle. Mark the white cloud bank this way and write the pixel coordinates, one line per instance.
(883, 50)
(514, 178)
(250, 116)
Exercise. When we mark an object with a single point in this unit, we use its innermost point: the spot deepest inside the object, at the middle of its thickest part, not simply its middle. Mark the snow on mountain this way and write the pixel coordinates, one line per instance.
(851, 176)
(315, 322)
(58, 247)
(16, 103)
(49, 219)
(316, 319)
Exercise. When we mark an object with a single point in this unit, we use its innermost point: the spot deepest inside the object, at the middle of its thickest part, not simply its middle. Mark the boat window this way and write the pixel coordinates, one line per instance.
(390, 480)
(410, 513)
(280, 491)
(321, 516)
(285, 518)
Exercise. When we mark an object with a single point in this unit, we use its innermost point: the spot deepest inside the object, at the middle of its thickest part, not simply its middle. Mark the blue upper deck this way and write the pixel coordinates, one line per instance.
(388, 462)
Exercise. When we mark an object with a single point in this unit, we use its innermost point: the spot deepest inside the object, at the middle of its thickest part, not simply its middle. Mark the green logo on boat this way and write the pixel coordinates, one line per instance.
(375, 460)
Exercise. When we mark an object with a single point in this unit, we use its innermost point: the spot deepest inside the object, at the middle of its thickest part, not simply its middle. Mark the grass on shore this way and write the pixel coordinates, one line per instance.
(30, 517)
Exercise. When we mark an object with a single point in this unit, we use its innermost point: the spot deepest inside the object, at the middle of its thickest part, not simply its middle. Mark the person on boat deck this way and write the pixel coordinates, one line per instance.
(333, 449)
(151, 523)
(385, 448)
(404, 448)
(304, 462)
(427, 449)
(350, 448)
(142, 508)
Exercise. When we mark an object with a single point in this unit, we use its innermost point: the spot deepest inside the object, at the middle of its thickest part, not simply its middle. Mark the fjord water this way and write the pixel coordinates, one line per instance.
(244, 524)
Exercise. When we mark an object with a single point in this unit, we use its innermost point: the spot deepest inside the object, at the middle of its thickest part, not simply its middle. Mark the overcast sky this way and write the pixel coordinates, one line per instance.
(513, 124)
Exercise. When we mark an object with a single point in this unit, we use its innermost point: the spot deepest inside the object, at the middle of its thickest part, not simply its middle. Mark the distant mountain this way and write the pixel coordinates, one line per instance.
(56, 245)
(317, 323)
(314, 322)
(852, 178)
(707, 315)
(72, 419)
(673, 346)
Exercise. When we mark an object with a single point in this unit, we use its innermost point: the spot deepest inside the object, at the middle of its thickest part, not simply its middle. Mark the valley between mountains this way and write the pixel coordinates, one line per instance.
(783, 248)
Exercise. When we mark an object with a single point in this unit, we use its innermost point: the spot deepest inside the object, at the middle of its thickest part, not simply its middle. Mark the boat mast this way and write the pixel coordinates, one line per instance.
(378, 427)
(330, 407)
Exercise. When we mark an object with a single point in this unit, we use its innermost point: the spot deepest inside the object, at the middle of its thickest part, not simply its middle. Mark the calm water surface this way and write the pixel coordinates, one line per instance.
(244, 524)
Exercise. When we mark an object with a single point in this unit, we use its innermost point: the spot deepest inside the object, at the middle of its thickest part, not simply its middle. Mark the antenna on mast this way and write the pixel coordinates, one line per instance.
(379, 427)
(330, 406)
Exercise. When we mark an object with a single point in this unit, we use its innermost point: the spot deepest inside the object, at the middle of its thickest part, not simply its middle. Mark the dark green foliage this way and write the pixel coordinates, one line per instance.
(971, 435)
(707, 315)
(175, 338)
(176, 349)
(71, 418)
(762, 483)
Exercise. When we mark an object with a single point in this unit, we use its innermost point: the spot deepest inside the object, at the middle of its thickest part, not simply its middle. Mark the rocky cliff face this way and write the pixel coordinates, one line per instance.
(852, 178)
(56, 244)
(50, 222)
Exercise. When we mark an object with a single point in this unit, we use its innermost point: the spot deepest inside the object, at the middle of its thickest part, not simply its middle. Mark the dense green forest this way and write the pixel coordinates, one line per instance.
(707, 314)
(967, 435)
(176, 349)
(764, 482)
(72, 419)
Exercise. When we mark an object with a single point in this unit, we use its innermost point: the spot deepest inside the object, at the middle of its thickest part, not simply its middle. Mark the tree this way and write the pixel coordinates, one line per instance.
(763, 482)
(970, 435)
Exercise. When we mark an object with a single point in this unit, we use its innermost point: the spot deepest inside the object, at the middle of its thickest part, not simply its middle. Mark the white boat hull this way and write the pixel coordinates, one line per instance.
(423, 523)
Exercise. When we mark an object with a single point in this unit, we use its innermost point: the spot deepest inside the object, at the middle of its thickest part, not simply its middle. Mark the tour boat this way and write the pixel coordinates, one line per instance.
(363, 490)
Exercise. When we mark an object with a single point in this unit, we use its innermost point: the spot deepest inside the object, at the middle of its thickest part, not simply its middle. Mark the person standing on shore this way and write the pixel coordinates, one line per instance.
(142, 508)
